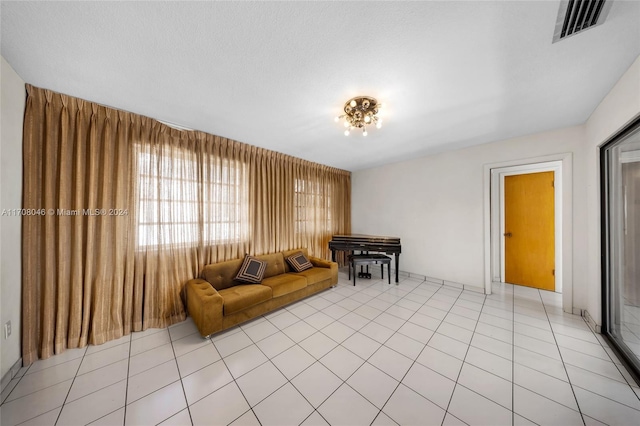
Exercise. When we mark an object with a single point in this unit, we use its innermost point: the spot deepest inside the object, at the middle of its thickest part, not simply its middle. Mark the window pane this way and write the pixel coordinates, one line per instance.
(622, 236)
(176, 206)
(312, 213)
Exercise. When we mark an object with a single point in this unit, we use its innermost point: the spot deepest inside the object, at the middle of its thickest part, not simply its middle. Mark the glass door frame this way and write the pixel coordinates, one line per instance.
(630, 360)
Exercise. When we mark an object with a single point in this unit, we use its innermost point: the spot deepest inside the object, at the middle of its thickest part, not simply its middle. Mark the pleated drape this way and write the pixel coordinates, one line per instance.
(126, 209)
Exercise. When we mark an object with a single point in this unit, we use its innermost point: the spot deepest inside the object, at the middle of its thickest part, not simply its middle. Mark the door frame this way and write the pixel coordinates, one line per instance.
(564, 232)
(499, 259)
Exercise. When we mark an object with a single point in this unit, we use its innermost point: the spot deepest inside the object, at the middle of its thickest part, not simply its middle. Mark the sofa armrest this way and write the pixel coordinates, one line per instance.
(204, 305)
(322, 263)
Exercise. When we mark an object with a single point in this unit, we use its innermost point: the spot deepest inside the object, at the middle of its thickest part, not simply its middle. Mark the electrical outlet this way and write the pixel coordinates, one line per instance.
(7, 329)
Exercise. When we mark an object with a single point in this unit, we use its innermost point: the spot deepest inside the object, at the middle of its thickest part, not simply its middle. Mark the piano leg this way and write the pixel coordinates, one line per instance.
(354, 272)
(397, 255)
(333, 255)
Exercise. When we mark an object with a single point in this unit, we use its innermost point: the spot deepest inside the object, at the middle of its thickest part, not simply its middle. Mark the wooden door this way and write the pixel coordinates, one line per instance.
(529, 230)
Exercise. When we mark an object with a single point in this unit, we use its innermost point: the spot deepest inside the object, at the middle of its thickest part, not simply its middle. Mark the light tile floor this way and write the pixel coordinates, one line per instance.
(416, 353)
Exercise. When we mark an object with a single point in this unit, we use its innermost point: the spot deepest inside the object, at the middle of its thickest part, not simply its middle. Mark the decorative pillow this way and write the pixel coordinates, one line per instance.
(299, 262)
(251, 271)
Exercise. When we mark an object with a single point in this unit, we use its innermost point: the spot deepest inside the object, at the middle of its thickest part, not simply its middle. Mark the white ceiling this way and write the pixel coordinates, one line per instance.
(275, 74)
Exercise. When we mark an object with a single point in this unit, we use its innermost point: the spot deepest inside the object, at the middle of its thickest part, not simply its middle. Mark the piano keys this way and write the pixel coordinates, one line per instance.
(366, 243)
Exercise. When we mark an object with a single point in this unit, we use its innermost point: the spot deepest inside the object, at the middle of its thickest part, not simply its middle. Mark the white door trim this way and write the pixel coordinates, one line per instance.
(493, 230)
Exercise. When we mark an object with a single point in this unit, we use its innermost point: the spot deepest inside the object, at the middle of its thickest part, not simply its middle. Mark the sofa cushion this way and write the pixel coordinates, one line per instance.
(285, 283)
(299, 262)
(275, 264)
(220, 275)
(251, 271)
(315, 275)
(243, 296)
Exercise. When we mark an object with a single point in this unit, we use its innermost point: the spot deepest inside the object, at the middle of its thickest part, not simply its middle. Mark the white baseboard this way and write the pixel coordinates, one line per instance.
(417, 276)
(11, 374)
(434, 280)
(454, 284)
(591, 322)
(474, 288)
(438, 281)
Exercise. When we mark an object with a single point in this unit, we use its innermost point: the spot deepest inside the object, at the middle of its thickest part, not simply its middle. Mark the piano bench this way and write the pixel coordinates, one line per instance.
(369, 259)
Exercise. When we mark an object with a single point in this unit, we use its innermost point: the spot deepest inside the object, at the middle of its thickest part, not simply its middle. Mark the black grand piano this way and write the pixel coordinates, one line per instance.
(366, 243)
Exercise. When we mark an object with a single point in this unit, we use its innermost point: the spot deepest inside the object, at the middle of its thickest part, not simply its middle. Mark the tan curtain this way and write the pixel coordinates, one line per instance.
(297, 204)
(127, 209)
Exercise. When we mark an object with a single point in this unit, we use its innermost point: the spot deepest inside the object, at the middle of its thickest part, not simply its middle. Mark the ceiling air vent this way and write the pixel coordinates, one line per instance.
(576, 16)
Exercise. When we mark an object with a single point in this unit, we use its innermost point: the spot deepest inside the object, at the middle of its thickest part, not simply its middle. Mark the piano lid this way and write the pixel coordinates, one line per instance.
(366, 238)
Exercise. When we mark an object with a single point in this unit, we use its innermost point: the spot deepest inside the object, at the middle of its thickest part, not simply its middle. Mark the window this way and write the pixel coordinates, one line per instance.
(188, 202)
(312, 207)
(225, 203)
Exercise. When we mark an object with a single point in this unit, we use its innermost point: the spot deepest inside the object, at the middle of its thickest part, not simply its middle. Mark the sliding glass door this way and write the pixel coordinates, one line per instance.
(620, 180)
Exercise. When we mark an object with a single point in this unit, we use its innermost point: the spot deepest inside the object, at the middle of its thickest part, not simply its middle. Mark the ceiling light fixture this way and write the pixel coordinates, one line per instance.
(359, 112)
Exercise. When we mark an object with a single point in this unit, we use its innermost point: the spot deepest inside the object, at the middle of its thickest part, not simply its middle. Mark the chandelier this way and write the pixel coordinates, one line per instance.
(359, 112)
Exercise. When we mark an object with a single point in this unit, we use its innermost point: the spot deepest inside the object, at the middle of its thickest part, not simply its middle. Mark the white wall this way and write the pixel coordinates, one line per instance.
(12, 92)
(618, 108)
(434, 204)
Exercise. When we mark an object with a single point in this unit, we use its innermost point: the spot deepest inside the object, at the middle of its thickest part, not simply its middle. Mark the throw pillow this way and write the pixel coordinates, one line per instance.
(299, 262)
(251, 271)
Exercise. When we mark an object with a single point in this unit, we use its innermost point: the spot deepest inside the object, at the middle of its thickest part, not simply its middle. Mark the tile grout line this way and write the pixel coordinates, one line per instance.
(289, 381)
(17, 383)
(344, 382)
(414, 361)
(70, 387)
(565, 362)
(126, 387)
(87, 394)
(463, 360)
(31, 393)
(479, 368)
(604, 397)
(564, 366)
(184, 392)
(36, 372)
(541, 372)
(513, 384)
(383, 344)
(235, 381)
(366, 360)
(617, 367)
(593, 372)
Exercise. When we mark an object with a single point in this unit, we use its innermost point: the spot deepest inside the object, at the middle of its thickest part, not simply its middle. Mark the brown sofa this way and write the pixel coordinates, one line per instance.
(216, 302)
